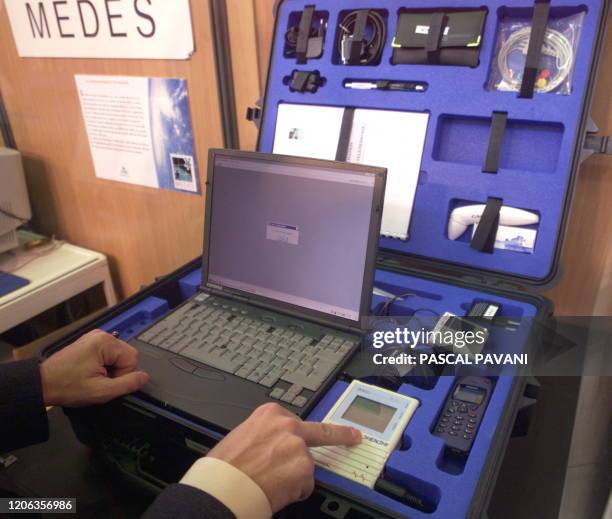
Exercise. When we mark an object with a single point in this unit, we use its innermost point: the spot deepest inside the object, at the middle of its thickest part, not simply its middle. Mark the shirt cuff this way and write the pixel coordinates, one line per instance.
(230, 486)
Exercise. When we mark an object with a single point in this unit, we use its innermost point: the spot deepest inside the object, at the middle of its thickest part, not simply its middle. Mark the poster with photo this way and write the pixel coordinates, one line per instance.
(140, 130)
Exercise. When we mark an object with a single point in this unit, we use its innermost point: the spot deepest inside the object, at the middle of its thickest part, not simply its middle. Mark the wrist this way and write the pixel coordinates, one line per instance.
(48, 391)
(221, 480)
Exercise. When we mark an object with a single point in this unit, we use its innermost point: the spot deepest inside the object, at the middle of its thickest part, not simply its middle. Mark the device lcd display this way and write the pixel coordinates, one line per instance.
(470, 394)
(369, 413)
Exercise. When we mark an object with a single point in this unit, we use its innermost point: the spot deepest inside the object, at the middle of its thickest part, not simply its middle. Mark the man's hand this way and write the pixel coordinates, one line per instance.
(94, 370)
(271, 447)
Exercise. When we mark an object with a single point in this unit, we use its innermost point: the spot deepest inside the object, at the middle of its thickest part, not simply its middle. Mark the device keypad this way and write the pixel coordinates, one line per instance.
(458, 419)
(362, 463)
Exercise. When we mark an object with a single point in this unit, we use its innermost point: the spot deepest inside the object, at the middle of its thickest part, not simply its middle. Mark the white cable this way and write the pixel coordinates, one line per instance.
(555, 44)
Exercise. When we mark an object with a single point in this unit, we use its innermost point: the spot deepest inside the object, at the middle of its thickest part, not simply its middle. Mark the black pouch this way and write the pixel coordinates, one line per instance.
(435, 37)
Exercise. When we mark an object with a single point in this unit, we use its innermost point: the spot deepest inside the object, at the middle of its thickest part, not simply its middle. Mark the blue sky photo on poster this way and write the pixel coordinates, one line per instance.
(172, 134)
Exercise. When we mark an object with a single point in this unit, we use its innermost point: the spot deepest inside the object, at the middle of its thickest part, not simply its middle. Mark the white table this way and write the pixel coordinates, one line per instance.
(56, 274)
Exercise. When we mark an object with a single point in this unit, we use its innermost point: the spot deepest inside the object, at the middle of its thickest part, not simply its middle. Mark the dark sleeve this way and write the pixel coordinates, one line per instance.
(187, 503)
(22, 411)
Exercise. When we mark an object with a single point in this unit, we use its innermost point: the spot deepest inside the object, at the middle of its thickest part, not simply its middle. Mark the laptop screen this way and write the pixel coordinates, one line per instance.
(293, 231)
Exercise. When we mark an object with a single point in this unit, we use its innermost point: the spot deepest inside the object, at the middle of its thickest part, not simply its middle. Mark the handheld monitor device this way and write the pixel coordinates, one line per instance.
(381, 416)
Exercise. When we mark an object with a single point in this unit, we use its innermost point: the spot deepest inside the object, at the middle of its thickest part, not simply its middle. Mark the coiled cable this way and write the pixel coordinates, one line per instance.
(374, 39)
(556, 45)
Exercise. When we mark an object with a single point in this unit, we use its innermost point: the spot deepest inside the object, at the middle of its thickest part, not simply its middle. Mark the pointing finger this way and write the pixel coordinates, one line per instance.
(319, 434)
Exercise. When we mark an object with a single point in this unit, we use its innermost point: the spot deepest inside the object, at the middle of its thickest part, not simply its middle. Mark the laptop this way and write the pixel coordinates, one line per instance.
(288, 268)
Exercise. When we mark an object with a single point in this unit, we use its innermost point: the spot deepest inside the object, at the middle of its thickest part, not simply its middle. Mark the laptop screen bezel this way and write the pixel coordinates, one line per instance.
(379, 175)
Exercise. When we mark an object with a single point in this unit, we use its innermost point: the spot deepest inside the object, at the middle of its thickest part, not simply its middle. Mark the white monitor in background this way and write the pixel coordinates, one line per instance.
(14, 202)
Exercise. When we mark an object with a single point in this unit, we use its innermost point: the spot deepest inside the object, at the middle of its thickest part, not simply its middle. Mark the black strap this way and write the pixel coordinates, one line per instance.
(345, 134)
(434, 37)
(496, 139)
(356, 48)
(486, 232)
(301, 48)
(305, 81)
(541, 10)
(299, 80)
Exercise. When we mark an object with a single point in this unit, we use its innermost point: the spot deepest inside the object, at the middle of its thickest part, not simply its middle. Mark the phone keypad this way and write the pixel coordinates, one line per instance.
(459, 419)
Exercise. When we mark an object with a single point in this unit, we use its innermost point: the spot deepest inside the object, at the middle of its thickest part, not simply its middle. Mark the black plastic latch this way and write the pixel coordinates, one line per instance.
(486, 232)
(541, 11)
(254, 114)
(304, 34)
(434, 36)
(496, 140)
(598, 144)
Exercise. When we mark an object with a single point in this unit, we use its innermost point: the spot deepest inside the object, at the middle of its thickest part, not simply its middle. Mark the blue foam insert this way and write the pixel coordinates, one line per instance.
(421, 464)
(190, 284)
(9, 283)
(462, 140)
(131, 323)
(538, 154)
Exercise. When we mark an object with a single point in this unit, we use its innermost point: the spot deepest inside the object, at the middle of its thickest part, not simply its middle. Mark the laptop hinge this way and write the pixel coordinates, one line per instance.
(218, 291)
(322, 322)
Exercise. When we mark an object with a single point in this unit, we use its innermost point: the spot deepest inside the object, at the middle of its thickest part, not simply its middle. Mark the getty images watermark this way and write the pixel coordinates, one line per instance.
(568, 346)
(438, 347)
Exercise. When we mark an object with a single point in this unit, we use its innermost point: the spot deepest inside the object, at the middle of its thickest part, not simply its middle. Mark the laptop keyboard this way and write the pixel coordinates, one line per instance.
(227, 338)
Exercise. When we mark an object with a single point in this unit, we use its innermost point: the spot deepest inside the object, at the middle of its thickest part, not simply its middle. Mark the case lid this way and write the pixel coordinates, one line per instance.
(484, 147)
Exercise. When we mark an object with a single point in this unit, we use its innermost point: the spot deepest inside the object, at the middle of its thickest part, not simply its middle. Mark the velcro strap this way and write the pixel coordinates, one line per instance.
(304, 34)
(358, 37)
(345, 134)
(305, 81)
(496, 139)
(541, 11)
(486, 232)
(299, 80)
(436, 30)
(361, 22)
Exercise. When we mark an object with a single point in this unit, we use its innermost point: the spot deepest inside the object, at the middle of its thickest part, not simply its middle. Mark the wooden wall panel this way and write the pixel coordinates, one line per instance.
(245, 66)
(145, 232)
(265, 28)
(586, 284)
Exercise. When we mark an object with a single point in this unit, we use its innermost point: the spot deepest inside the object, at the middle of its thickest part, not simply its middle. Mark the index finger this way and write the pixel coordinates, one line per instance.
(317, 434)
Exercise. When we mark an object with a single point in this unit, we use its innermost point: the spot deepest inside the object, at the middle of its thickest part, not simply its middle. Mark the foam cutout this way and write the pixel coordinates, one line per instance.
(421, 464)
(130, 323)
(538, 155)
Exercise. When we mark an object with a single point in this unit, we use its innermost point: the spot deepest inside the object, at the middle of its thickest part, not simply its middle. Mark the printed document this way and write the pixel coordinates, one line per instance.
(384, 138)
